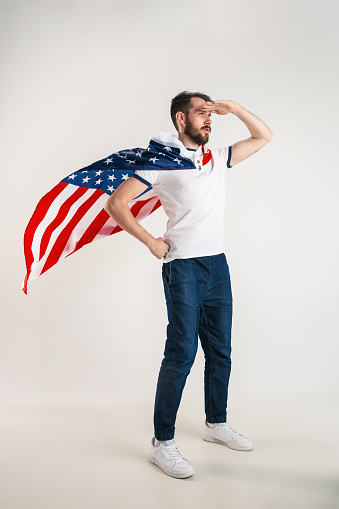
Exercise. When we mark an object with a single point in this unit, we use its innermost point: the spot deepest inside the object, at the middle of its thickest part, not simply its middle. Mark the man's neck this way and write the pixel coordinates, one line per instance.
(187, 141)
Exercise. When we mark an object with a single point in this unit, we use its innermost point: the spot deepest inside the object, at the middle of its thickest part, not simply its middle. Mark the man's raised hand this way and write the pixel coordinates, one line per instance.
(220, 107)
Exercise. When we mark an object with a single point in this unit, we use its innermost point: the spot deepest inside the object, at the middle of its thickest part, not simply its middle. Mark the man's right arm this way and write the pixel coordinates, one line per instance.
(117, 207)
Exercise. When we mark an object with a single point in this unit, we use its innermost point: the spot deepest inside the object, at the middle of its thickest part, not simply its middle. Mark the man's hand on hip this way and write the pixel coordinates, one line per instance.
(158, 247)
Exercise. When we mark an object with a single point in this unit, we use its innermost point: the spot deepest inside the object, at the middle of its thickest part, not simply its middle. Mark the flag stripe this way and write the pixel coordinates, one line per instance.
(104, 225)
(91, 232)
(156, 206)
(106, 230)
(85, 222)
(38, 215)
(49, 217)
(62, 213)
(60, 243)
(39, 264)
(136, 210)
(146, 209)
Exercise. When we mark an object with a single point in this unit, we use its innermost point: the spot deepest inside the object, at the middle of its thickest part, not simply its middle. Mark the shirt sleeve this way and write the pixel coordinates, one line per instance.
(226, 154)
(148, 177)
(229, 155)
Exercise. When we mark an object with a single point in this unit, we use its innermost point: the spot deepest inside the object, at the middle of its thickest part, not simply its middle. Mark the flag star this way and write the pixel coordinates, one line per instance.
(148, 149)
(168, 149)
(130, 161)
(153, 159)
(85, 180)
(108, 160)
(98, 182)
(161, 154)
(177, 160)
(110, 188)
(111, 177)
(98, 172)
(124, 177)
(139, 153)
(72, 176)
(85, 171)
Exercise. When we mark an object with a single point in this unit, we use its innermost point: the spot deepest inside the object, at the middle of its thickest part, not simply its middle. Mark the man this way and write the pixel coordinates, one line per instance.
(195, 272)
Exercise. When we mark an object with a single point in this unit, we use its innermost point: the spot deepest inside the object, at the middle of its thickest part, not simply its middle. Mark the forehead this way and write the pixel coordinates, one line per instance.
(197, 103)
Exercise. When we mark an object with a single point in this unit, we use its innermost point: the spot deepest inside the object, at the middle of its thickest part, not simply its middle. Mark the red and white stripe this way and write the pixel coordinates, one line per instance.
(69, 217)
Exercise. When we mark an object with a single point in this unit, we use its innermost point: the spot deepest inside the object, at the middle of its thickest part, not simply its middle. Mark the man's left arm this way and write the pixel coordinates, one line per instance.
(261, 134)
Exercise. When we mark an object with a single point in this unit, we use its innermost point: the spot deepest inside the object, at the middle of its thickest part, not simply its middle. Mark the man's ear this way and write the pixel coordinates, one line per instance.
(181, 118)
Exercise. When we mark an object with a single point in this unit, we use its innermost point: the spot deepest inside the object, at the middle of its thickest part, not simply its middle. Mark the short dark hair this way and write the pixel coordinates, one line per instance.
(182, 102)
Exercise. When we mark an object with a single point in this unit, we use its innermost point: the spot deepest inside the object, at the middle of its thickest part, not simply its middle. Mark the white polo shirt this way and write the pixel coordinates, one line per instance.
(194, 201)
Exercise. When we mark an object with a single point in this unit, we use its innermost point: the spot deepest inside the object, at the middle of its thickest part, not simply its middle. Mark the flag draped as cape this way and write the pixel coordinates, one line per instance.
(72, 214)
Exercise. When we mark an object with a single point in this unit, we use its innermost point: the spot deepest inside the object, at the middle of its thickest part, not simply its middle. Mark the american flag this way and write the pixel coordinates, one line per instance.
(72, 214)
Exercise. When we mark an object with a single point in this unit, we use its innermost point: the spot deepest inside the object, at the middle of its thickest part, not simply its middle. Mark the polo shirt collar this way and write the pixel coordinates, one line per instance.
(172, 140)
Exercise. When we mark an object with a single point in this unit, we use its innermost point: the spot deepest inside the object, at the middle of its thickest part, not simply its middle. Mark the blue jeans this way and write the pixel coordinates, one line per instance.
(199, 303)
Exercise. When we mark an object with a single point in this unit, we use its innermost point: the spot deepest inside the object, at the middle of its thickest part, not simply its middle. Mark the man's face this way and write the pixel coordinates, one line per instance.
(198, 122)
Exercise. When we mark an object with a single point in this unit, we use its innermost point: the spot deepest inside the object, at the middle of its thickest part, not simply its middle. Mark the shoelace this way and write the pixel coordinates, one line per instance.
(173, 452)
(228, 428)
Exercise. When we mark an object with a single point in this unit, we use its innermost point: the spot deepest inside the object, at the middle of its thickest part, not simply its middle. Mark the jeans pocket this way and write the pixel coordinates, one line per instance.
(167, 272)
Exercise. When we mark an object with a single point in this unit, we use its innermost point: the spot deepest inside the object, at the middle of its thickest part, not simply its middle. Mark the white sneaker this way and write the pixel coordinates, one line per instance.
(223, 434)
(167, 456)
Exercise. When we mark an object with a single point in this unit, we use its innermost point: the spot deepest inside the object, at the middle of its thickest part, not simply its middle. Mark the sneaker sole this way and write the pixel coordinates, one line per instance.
(216, 441)
(177, 476)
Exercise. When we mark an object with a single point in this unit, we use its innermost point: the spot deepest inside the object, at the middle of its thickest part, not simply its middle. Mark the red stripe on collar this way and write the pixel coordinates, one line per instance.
(207, 155)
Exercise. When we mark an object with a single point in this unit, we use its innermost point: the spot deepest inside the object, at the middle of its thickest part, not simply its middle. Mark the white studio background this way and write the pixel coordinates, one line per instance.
(83, 79)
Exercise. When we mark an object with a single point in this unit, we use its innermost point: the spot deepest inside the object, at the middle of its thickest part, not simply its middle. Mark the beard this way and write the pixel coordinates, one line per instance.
(199, 136)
